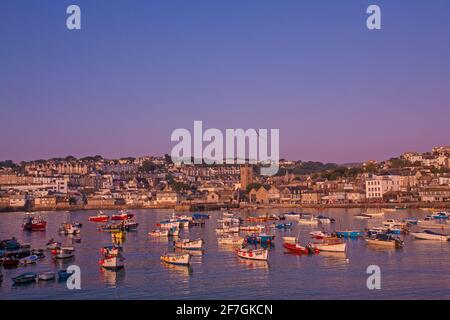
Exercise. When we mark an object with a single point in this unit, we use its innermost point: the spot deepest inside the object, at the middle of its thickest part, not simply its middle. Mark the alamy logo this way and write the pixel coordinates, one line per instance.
(74, 280)
(374, 280)
(236, 141)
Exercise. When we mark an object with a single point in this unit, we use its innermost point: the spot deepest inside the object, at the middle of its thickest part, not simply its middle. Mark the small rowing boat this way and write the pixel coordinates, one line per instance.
(26, 277)
(63, 275)
(385, 240)
(330, 245)
(231, 240)
(46, 276)
(65, 253)
(362, 216)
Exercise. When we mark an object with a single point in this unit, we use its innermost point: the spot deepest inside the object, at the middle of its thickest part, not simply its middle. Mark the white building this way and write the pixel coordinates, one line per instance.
(377, 186)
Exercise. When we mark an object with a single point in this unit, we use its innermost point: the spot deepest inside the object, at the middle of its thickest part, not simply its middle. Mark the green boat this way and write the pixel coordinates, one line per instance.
(25, 278)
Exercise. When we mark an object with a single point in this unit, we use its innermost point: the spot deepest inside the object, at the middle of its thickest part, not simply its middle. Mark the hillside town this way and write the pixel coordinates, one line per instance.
(418, 179)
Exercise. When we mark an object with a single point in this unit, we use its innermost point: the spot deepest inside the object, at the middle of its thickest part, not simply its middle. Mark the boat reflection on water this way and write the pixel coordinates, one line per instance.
(179, 270)
(254, 264)
(112, 278)
(334, 258)
(194, 253)
(118, 237)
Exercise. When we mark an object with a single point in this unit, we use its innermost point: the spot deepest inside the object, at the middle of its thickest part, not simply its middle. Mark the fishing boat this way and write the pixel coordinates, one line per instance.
(253, 254)
(430, 235)
(392, 223)
(384, 240)
(63, 275)
(65, 253)
(10, 244)
(330, 245)
(189, 244)
(46, 276)
(26, 277)
(362, 216)
(68, 229)
(112, 258)
(176, 258)
(231, 240)
(296, 248)
(123, 215)
(28, 260)
(159, 233)
(100, 217)
(228, 222)
(430, 223)
(289, 239)
(349, 233)
(167, 224)
(34, 223)
(228, 214)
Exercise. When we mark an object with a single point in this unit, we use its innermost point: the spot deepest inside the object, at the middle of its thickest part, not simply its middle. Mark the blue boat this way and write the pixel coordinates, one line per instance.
(349, 234)
(260, 238)
(440, 215)
(200, 216)
(283, 225)
(63, 275)
(24, 278)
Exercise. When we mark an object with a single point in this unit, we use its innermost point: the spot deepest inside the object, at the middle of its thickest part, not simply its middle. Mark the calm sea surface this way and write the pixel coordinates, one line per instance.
(419, 270)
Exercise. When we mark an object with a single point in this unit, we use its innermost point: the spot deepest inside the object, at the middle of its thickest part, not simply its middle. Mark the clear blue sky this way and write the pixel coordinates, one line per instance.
(139, 69)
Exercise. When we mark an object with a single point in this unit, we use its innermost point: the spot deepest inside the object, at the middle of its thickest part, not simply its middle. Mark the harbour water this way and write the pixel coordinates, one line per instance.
(418, 271)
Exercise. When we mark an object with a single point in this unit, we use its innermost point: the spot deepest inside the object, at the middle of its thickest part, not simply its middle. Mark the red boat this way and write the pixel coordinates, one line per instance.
(34, 224)
(122, 216)
(299, 249)
(9, 263)
(100, 217)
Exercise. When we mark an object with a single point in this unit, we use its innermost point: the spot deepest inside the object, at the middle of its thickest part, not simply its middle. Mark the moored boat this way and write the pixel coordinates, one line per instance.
(68, 229)
(362, 216)
(63, 275)
(385, 240)
(330, 245)
(176, 258)
(283, 225)
(296, 248)
(159, 233)
(231, 240)
(26, 277)
(289, 239)
(189, 244)
(28, 260)
(123, 215)
(46, 276)
(253, 254)
(349, 233)
(430, 235)
(34, 223)
(100, 217)
(65, 252)
(260, 238)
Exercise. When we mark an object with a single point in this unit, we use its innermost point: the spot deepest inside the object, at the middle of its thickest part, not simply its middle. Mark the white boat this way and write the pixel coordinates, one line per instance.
(69, 229)
(258, 254)
(292, 216)
(234, 241)
(362, 216)
(52, 245)
(189, 244)
(227, 230)
(392, 223)
(375, 214)
(176, 258)
(113, 262)
(159, 233)
(310, 221)
(430, 235)
(173, 232)
(256, 228)
(330, 246)
(65, 252)
(290, 239)
(48, 275)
